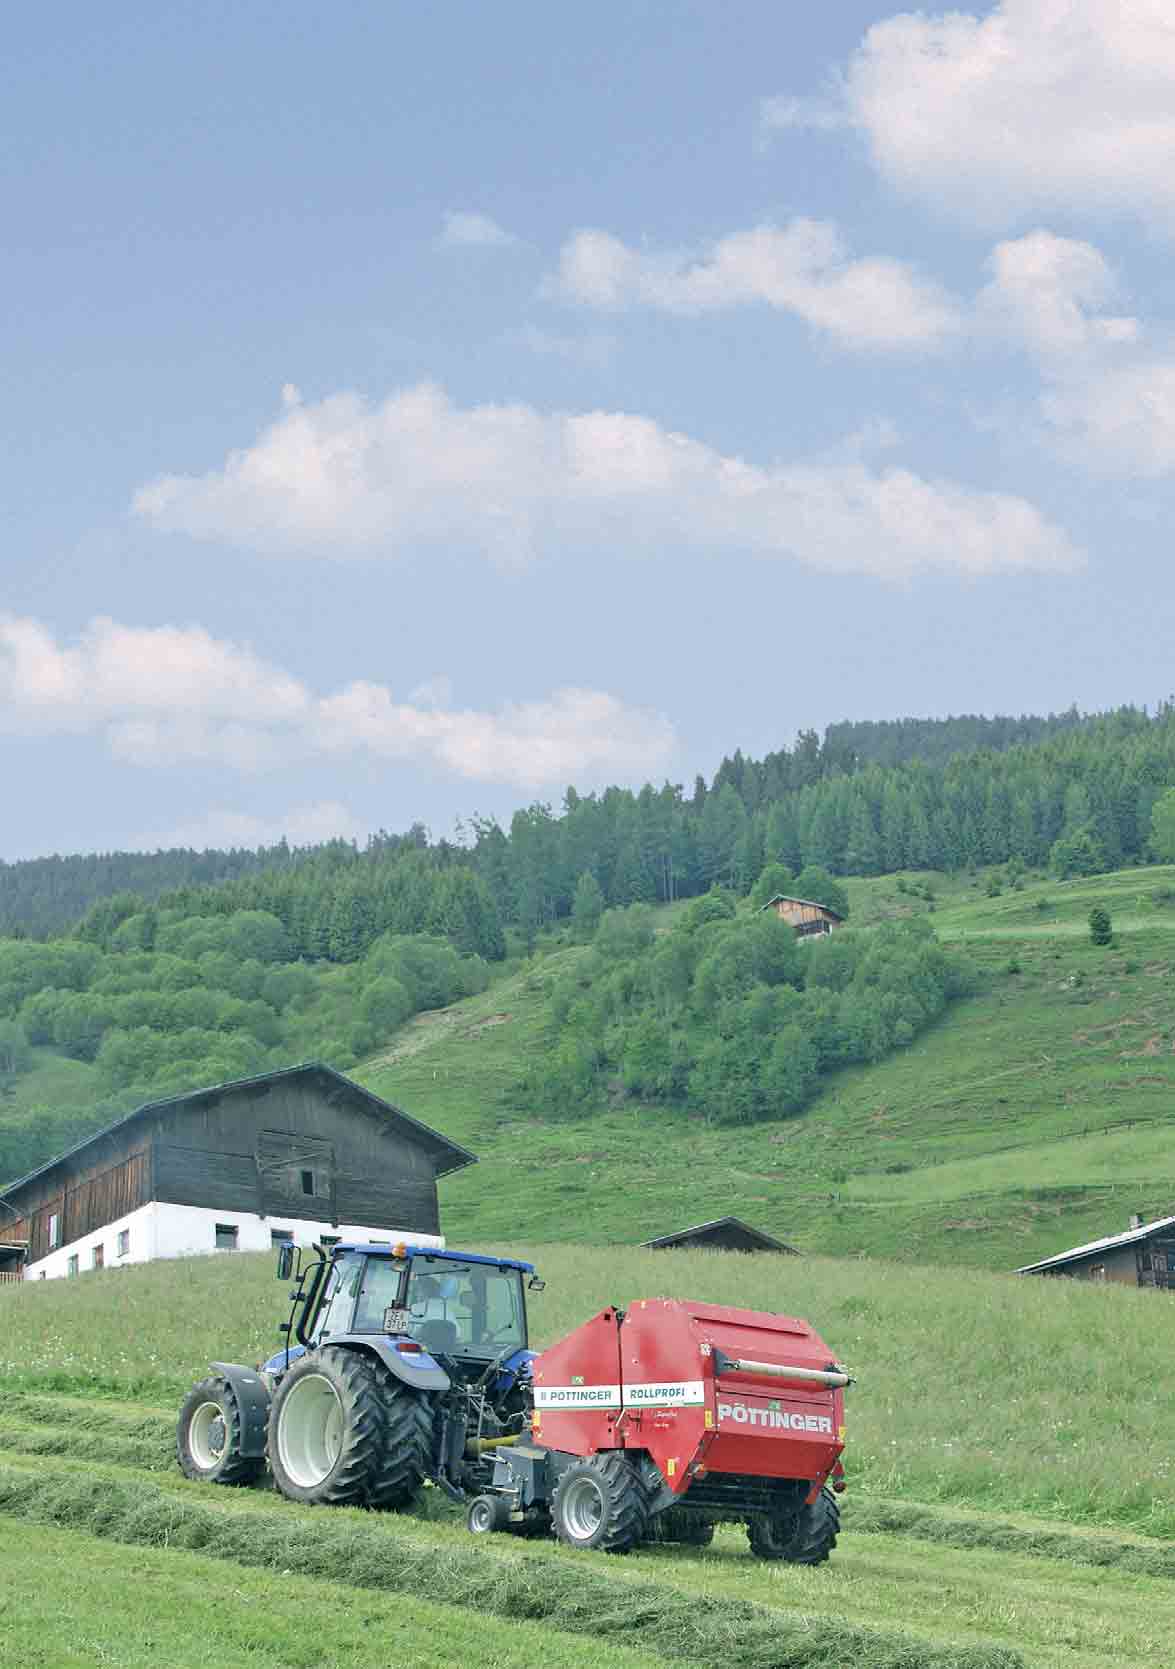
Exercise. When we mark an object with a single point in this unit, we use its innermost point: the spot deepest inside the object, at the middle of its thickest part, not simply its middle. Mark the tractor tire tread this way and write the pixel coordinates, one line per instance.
(362, 1459)
(406, 1451)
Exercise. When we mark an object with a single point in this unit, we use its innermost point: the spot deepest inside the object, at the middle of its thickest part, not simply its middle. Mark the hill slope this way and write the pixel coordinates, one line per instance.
(1033, 1116)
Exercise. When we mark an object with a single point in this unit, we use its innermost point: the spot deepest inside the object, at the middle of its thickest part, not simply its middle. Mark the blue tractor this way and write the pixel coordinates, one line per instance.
(401, 1364)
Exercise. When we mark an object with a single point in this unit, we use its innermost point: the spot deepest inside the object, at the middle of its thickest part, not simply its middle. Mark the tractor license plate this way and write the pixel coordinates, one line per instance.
(397, 1321)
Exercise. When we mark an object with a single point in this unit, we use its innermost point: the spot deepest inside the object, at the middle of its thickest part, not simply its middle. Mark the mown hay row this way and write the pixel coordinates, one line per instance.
(901, 1518)
(577, 1597)
(90, 1414)
(143, 1454)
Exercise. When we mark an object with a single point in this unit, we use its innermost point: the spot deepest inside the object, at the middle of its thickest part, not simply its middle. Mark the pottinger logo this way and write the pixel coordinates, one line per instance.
(743, 1415)
(577, 1396)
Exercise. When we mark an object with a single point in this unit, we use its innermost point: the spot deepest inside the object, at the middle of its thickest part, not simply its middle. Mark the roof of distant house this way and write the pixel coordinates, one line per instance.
(764, 1242)
(786, 898)
(447, 1155)
(1110, 1243)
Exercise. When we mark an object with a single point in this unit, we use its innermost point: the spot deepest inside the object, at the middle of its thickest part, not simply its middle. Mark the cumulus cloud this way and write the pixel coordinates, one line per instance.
(1048, 291)
(1038, 104)
(344, 476)
(166, 695)
(802, 268)
(1117, 419)
(221, 829)
(463, 230)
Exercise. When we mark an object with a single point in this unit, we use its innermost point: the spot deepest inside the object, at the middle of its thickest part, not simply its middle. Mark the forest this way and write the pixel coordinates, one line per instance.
(869, 796)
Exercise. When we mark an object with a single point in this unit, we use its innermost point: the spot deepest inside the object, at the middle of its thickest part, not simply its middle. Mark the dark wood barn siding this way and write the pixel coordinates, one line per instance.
(83, 1199)
(247, 1150)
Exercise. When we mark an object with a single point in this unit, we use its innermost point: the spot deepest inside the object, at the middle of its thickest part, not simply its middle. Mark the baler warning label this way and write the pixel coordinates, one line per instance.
(568, 1397)
(665, 1393)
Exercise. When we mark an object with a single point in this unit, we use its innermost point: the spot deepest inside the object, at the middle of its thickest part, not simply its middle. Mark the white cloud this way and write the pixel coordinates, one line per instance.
(802, 268)
(222, 829)
(1045, 290)
(345, 477)
(1038, 104)
(463, 230)
(166, 695)
(1117, 419)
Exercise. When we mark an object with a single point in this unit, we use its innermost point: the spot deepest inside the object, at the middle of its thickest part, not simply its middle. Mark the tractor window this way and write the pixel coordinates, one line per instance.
(380, 1291)
(466, 1309)
(343, 1279)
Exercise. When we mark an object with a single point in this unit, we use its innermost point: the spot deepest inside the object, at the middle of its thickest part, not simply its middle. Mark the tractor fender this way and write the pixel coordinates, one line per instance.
(252, 1396)
(416, 1368)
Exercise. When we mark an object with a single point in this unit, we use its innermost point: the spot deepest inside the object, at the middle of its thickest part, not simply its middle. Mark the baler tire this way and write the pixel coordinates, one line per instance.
(407, 1445)
(621, 1509)
(806, 1539)
(346, 1470)
(206, 1454)
(486, 1514)
(678, 1524)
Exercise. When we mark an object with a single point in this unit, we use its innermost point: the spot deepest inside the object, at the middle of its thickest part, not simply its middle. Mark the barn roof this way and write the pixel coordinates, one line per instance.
(683, 1237)
(786, 898)
(1092, 1247)
(447, 1156)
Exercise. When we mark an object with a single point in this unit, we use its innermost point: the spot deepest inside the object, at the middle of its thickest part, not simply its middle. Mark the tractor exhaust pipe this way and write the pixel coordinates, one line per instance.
(832, 1378)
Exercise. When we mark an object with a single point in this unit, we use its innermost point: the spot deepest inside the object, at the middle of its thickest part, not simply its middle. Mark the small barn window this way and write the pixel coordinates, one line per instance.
(308, 1183)
(124, 1243)
(226, 1237)
(98, 1257)
(281, 1237)
(72, 1266)
(54, 1230)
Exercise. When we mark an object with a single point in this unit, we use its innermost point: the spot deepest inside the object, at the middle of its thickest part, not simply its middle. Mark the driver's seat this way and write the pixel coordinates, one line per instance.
(438, 1335)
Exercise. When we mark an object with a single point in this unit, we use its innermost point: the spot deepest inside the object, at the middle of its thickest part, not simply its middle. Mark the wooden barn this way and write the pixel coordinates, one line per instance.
(1144, 1256)
(724, 1234)
(807, 918)
(296, 1155)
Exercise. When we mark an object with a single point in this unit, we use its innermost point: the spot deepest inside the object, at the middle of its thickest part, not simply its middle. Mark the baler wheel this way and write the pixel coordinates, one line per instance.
(600, 1502)
(805, 1539)
(208, 1437)
(342, 1433)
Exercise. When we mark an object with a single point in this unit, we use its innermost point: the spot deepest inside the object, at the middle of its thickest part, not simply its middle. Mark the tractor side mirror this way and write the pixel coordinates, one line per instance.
(285, 1260)
(535, 1284)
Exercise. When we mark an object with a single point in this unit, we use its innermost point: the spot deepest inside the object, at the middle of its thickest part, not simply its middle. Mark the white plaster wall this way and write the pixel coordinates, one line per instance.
(176, 1231)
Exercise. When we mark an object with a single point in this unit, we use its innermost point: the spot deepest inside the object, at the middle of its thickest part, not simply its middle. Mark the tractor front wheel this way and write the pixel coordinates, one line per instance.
(600, 1502)
(806, 1537)
(208, 1437)
(344, 1433)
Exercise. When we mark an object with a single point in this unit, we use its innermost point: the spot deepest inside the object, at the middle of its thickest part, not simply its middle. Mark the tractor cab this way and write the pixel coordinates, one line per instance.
(462, 1309)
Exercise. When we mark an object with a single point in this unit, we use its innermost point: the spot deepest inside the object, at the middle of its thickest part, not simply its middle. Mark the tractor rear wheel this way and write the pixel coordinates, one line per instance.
(600, 1502)
(803, 1538)
(343, 1433)
(208, 1437)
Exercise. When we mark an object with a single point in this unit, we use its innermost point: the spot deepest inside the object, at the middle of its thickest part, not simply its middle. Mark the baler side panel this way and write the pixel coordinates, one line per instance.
(668, 1389)
(577, 1388)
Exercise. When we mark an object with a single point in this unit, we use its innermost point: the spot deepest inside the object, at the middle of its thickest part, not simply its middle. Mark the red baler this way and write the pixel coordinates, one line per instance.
(656, 1422)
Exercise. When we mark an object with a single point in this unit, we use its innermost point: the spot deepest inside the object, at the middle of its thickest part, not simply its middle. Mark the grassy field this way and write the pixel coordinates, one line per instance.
(1009, 1502)
(974, 1389)
(1032, 1117)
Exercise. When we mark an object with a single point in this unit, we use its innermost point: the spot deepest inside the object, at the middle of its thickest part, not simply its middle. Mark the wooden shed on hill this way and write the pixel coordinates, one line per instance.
(724, 1234)
(1144, 1256)
(806, 917)
(298, 1155)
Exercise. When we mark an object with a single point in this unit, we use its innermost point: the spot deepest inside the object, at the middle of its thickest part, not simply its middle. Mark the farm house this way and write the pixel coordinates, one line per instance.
(724, 1234)
(1144, 1256)
(808, 918)
(293, 1155)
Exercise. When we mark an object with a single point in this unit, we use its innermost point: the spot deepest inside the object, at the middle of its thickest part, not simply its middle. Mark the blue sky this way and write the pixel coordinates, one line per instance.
(409, 412)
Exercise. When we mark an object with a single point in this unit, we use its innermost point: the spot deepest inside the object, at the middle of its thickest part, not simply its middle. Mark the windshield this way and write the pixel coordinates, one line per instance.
(466, 1309)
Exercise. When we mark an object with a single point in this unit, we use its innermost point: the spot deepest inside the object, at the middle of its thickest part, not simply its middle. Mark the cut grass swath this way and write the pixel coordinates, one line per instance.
(698, 1630)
